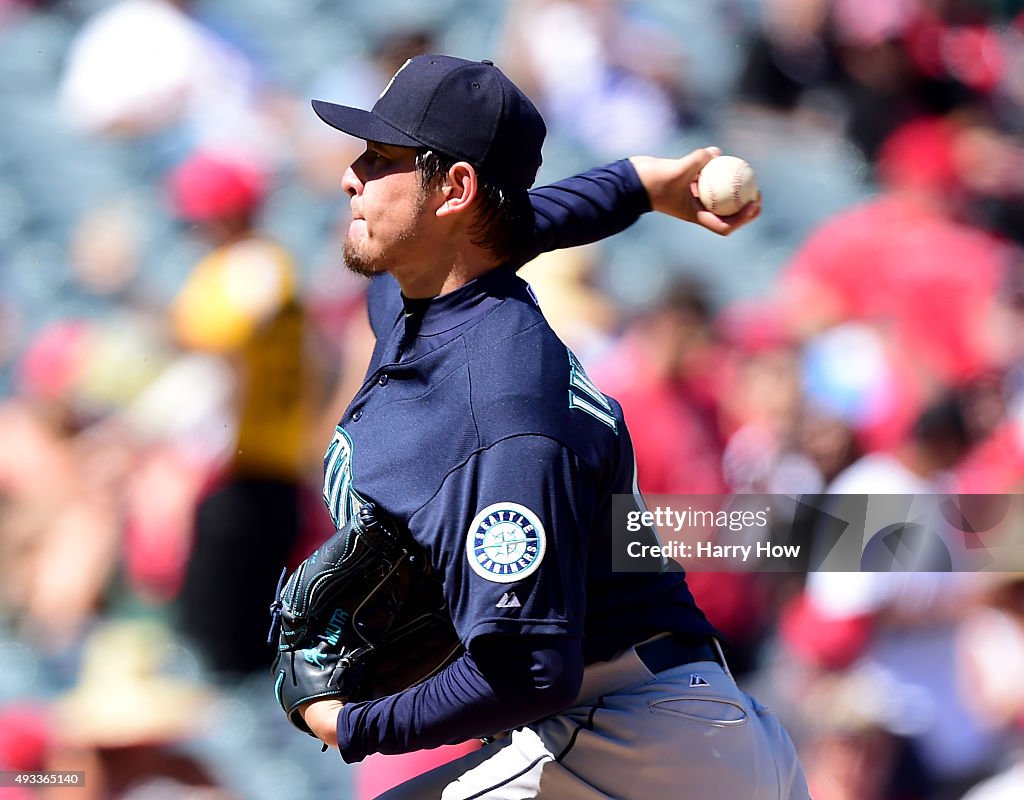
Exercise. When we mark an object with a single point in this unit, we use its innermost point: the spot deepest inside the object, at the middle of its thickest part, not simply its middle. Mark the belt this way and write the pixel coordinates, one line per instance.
(661, 654)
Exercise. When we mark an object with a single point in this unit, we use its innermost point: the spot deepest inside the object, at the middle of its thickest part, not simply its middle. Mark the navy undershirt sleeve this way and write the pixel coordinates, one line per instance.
(502, 683)
(585, 208)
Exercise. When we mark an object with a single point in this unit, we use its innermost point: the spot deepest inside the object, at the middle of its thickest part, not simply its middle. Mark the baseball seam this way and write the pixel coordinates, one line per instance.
(737, 186)
(714, 199)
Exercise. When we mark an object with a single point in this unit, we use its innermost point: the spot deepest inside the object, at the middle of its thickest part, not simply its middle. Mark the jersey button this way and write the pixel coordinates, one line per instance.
(356, 415)
(383, 379)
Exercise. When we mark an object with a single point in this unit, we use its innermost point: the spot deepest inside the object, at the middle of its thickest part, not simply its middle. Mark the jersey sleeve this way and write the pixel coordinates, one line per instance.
(507, 532)
(585, 208)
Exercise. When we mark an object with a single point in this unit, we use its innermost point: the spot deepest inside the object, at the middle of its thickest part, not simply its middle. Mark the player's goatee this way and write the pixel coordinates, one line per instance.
(355, 262)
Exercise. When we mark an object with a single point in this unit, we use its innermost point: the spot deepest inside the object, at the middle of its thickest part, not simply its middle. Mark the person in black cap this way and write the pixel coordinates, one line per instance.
(479, 432)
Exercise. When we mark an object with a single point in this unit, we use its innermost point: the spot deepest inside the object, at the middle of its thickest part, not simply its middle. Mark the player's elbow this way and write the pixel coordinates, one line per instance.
(562, 681)
(558, 694)
(542, 695)
(540, 675)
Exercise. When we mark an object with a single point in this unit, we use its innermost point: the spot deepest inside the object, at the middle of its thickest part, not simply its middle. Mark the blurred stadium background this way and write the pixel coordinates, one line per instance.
(178, 337)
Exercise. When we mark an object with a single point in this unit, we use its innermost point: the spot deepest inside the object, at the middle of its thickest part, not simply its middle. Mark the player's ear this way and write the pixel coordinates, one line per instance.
(459, 189)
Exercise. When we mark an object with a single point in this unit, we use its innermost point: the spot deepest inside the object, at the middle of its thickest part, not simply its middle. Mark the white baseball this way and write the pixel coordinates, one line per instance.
(726, 185)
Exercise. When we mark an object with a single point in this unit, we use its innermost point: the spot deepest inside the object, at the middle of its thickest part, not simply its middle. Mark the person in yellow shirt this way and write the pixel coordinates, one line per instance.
(241, 302)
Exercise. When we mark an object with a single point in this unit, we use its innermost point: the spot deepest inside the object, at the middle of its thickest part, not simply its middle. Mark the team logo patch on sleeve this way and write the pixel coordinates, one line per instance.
(505, 543)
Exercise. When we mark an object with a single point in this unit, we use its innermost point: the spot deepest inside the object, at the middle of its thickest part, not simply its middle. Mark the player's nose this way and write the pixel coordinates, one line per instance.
(350, 183)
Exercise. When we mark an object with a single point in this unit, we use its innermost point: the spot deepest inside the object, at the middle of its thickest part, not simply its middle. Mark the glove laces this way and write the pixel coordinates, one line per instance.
(276, 607)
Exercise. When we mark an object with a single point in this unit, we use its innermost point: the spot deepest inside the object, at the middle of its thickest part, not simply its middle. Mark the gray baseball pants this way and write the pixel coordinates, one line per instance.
(688, 732)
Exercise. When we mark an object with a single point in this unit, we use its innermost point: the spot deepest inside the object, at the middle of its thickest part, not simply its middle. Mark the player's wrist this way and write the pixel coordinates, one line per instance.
(322, 718)
(654, 177)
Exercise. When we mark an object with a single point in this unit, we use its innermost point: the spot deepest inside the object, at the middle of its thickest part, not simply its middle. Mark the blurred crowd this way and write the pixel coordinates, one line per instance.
(178, 337)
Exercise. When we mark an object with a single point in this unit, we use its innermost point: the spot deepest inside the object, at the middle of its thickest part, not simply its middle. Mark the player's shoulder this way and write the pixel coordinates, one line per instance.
(524, 379)
(514, 355)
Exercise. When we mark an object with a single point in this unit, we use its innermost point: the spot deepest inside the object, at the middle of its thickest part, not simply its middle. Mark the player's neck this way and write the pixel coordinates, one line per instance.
(444, 275)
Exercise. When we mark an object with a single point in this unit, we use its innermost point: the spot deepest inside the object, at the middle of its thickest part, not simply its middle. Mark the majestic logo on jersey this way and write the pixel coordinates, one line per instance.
(342, 500)
(505, 543)
(585, 396)
(508, 600)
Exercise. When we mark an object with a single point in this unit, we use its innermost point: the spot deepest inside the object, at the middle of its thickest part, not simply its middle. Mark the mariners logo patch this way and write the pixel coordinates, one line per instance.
(505, 543)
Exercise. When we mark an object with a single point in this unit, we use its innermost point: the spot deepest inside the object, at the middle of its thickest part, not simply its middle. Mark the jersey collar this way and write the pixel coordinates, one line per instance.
(448, 311)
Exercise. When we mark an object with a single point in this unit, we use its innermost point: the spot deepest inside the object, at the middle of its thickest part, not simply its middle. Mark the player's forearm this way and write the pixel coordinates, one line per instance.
(462, 702)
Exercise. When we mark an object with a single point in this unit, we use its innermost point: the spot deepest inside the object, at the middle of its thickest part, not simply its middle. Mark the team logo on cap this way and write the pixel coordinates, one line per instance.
(505, 543)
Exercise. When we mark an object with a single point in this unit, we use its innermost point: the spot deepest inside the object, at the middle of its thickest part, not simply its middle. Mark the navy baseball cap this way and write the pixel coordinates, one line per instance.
(468, 110)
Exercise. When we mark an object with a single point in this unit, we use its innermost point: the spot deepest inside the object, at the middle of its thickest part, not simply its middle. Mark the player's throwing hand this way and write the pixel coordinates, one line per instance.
(671, 185)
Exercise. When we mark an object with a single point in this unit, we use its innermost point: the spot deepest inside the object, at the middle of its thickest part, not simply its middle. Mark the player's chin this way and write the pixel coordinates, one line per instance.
(357, 261)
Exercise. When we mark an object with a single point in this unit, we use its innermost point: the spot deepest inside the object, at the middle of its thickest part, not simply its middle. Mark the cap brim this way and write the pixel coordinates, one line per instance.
(362, 124)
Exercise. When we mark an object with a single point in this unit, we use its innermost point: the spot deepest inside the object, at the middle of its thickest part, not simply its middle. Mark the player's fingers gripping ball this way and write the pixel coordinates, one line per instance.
(726, 185)
(353, 613)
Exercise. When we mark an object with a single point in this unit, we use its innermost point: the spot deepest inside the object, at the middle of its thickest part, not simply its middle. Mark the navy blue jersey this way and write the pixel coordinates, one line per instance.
(479, 431)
